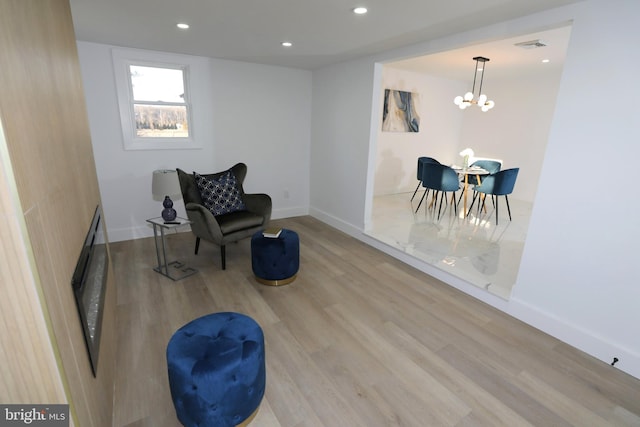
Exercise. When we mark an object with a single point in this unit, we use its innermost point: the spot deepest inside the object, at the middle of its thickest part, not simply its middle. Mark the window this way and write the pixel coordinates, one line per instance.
(154, 101)
(160, 105)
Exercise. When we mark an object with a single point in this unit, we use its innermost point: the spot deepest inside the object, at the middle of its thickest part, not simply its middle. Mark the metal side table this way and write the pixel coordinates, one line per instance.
(174, 270)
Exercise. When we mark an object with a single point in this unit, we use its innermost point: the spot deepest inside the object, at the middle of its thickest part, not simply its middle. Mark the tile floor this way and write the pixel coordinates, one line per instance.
(472, 248)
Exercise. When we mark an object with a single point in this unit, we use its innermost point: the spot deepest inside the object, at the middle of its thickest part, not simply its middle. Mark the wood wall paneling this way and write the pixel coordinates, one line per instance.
(29, 370)
(49, 148)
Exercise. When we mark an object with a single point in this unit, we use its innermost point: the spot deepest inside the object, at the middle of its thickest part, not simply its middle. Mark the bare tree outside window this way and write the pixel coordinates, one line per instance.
(157, 105)
(160, 104)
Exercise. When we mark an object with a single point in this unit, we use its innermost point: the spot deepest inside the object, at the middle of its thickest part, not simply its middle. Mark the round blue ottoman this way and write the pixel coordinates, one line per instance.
(217, 370)
(275, 261)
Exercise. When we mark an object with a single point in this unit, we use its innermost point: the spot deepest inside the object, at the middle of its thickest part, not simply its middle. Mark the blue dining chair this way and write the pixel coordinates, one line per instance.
(421, 161)
(499, 184)
(491, 166)
(440, 179)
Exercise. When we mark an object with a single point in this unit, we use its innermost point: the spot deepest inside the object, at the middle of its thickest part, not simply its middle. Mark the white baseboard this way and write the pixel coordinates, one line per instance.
(429, 269)
(144, 230)
(289, 212)
(573, 335)
(596, 346)
(129, 233)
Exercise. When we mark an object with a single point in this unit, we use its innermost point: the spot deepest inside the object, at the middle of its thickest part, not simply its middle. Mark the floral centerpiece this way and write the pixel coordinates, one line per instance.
(466, 153)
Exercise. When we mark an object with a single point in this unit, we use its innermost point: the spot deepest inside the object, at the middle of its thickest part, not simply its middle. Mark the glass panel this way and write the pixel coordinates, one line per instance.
(161, 121)
(157, 84)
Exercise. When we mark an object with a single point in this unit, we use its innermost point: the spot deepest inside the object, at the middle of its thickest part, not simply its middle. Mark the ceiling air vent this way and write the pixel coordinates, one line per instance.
(531, 44)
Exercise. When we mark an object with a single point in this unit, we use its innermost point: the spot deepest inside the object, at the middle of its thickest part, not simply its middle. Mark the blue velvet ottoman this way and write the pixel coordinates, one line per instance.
(217, 370)
(275, 261)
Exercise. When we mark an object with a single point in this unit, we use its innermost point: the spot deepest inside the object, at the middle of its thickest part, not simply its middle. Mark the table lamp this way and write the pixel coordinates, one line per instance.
(165, 185)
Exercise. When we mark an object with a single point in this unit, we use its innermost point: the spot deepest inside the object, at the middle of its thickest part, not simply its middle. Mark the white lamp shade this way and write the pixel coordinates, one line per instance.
(165, 183)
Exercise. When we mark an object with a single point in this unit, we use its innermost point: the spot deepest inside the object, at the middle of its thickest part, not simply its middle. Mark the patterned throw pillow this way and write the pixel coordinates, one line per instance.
(220, 195)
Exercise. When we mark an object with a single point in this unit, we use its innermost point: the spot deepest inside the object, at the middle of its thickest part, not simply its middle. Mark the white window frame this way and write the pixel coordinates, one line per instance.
(122, 60)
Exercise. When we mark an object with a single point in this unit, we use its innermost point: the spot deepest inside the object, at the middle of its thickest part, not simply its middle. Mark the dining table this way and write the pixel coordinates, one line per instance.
(464, 173)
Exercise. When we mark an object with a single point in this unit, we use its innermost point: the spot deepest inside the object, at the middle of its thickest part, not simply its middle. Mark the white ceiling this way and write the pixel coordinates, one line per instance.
(505, 59)
(323, 32)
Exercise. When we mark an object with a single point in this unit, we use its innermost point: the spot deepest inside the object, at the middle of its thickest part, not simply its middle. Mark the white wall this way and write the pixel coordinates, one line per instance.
(586, 237)
(340, 132)
(515, 131)
(577, 277)
(256, 114)
(439, 135)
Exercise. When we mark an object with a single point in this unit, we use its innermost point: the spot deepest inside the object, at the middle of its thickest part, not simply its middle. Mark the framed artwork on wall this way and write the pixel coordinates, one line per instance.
(399, 113)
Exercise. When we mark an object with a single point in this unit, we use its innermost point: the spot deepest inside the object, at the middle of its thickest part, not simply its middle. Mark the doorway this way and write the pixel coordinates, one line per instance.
(524, 88)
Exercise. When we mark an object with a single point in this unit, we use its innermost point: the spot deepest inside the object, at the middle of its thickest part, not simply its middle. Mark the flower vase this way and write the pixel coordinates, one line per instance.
(465, 162)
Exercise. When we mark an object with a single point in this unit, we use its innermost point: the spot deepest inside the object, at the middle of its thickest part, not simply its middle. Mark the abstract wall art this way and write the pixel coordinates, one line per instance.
(400, 113)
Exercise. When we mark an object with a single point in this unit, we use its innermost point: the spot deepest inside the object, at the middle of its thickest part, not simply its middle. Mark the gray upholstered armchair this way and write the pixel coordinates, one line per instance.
(227, 227)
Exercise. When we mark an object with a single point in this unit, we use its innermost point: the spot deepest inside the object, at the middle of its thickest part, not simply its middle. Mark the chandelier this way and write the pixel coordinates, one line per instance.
(468, 98)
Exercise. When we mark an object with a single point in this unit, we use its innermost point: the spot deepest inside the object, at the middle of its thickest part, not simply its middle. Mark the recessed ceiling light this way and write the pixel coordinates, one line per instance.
(286, 44)
(545, 61)
(182, 26)
(360, 10)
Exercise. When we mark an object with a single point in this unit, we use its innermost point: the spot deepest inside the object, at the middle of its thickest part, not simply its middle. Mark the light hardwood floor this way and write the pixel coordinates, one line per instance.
(359, 339)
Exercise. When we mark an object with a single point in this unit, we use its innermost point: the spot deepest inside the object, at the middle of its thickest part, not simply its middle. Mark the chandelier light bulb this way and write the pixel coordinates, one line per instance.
(478, 77)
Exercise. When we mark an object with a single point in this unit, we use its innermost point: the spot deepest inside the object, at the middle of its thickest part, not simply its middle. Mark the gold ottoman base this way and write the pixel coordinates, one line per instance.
(249, 419)
(276, 282)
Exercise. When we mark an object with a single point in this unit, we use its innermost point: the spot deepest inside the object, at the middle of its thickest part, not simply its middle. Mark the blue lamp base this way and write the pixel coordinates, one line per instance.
(168, 213)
